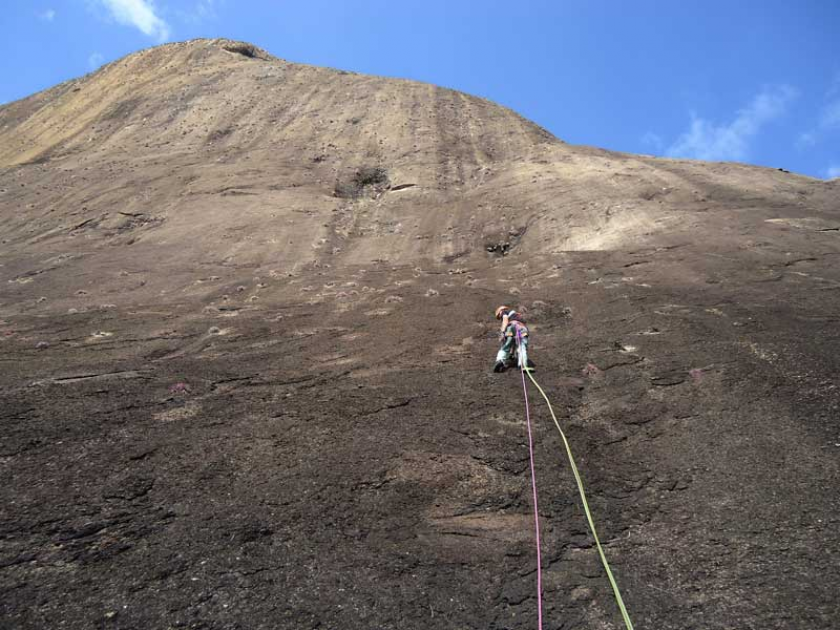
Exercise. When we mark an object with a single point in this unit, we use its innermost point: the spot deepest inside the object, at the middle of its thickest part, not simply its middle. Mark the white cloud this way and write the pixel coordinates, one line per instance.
(653, 140)
(834, 88)
(829, 121)
(201, 11)
(707, 140)
(832, 171)
(205, 9)
(48, 15)
(806, 139)
(139, 14)
(830, 117)
(95, 60)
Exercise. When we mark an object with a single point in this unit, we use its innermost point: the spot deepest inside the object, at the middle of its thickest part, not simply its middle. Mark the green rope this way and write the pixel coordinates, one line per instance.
(606, 564)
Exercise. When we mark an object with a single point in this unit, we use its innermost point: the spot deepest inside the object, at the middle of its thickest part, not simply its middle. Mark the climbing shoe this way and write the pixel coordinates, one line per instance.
(499, 367)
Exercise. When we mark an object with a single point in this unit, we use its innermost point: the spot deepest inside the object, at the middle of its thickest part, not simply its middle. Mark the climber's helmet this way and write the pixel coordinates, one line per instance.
(501, 311)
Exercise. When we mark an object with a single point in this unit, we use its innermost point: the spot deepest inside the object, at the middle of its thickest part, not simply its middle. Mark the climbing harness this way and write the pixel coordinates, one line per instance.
(524, 369)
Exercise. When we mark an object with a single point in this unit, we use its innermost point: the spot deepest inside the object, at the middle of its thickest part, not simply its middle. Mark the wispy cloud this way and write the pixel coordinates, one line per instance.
(828, 120)
(95, 60)
(205, 9)
(654, 141)
(806, 140)
(140, 14)
(48, 15)
(832, 171)
(834, 88)
(708, 140)
(830, 116)
(201, 11)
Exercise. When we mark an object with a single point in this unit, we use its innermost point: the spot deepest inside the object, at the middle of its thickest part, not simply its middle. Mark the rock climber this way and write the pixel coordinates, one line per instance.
(514, 336)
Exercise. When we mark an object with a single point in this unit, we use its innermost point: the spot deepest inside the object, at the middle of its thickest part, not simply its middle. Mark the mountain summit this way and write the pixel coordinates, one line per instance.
(247, 333)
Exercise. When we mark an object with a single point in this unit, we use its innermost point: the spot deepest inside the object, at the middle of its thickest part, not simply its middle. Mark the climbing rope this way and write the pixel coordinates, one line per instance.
(526, 370)
(536, 508)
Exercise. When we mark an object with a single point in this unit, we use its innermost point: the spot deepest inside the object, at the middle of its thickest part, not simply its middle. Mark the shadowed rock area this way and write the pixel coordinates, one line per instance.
(246, 342)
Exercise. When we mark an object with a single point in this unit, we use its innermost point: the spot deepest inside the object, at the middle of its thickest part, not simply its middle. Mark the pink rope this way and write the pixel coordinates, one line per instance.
(534, 488)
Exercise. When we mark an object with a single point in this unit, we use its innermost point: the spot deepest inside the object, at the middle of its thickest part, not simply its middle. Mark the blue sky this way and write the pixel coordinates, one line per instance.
(754, 81)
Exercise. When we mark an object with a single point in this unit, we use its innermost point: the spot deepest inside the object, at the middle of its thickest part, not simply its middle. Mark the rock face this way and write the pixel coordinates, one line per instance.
(246, 337)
